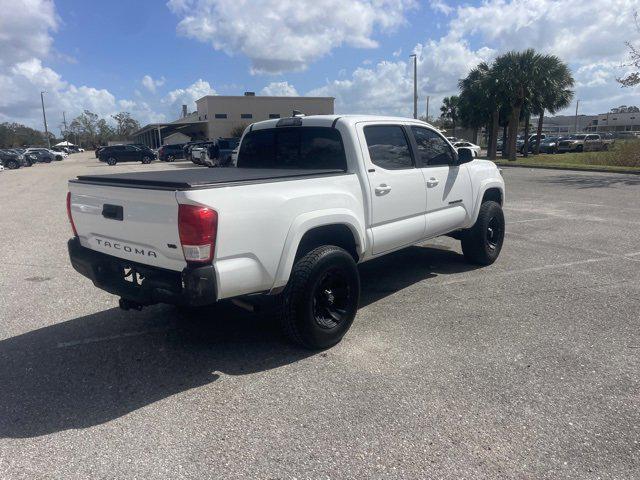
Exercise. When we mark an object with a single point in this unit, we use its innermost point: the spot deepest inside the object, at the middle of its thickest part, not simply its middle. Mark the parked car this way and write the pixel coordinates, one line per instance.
(170, 153)
(219, 152)
(10, 160)
(60, 150)
(43, 155)
(471, 146)
(584, 143)
(548, 145)
(188, 148)
(126, 153)
(310, 198)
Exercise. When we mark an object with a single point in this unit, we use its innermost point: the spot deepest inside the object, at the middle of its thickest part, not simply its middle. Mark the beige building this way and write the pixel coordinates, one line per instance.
(224, 113)
(217, 115)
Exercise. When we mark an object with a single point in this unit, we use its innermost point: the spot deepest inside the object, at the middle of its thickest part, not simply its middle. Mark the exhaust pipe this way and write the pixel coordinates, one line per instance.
(125, 304)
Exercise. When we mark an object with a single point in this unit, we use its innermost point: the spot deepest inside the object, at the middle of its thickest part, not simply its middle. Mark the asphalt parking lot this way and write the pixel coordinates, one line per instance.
(529, 368)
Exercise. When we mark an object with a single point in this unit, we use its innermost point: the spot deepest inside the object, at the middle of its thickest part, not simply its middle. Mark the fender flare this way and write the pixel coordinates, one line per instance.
(484, 186)
(308, 221)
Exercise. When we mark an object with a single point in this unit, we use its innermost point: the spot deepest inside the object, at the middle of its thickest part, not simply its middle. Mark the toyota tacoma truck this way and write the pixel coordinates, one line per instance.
(307, 200)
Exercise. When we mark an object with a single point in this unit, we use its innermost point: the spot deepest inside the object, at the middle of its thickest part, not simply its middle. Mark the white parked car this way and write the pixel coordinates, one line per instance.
(311, 197)
(471, 146)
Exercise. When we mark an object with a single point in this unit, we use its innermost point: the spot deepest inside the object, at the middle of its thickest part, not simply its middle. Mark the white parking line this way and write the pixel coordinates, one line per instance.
(529, 220)
(86, 341)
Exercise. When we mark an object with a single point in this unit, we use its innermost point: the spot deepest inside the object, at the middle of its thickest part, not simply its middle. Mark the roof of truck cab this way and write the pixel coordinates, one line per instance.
(331, 120)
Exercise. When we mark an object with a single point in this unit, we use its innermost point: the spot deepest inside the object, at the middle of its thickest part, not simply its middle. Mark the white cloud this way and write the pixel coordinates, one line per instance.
(287, 35)
(594, 50)
(441, 6)
(26, 42)
(152, 84)
(188, 96)
(279, 89)
(387, 89)
(25, 30)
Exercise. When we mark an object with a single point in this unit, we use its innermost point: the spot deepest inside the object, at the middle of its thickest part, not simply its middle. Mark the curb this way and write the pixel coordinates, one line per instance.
(572, 169)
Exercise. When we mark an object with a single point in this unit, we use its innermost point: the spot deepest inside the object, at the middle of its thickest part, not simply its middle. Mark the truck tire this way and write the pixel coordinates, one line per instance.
(321, 298)
(111, 161)
(481, 244)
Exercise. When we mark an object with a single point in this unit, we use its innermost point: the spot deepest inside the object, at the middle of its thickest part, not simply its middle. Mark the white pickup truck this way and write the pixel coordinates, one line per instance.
(308, 199)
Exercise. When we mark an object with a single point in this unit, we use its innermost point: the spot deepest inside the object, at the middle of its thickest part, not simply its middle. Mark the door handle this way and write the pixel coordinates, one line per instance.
(382, 189)
(432, 182)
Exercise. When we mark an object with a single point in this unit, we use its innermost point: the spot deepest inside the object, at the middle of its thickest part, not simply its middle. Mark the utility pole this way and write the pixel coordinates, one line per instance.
(64, 122)
(415, 84)
(576, 125)
(428, 97)
(44, 116)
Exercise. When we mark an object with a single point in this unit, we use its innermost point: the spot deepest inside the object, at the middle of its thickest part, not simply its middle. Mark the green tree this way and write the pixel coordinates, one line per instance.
(105, 132)
(18, 135)
(238, 130)
(125, 124)
(517, 73)
(85, 127)
(449, 110)
(633, 78)
(552, 91)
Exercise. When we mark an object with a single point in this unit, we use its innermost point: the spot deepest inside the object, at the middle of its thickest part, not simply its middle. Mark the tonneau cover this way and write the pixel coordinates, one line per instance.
(194, 178)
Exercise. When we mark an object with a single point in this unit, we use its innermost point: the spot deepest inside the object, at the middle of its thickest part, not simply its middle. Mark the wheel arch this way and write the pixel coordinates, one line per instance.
(335, 227)
(491, 189)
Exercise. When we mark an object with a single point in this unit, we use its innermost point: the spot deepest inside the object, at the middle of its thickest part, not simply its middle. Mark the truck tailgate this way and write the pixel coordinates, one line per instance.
(134, 224)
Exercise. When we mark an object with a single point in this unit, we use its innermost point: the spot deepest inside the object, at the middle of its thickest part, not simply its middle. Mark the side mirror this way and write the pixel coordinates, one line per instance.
(465, 155)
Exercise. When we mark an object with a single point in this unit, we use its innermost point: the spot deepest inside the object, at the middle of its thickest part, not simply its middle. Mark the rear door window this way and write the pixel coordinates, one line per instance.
(297, 148)
(388, 147)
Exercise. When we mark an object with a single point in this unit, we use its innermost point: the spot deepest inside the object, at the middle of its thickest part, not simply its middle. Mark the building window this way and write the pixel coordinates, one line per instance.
(221, 115)
(614, 118)
(246, 115)
(632, 118)
(274, 115)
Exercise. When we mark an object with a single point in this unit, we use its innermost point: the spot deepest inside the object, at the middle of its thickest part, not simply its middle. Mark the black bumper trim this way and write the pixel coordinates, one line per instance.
(194, 286)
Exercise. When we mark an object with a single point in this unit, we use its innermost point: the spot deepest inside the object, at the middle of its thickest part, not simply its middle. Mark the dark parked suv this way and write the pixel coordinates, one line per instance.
(170, 153)
(126, 153)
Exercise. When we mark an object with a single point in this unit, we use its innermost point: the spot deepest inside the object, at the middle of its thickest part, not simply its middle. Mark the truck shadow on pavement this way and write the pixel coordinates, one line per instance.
(99, 367)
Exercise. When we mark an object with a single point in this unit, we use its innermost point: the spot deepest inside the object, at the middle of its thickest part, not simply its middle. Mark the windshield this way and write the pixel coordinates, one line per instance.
(293, 147)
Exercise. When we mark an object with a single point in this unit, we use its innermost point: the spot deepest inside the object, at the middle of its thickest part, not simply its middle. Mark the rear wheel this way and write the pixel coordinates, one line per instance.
(171, 158)
(111, 161)
(482, 243)
(605, 147)
(579, 148)
(321, 298)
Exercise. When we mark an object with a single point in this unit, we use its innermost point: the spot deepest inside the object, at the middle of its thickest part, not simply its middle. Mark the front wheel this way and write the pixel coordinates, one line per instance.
(146, 160)
(111, 161)
(12, 164)
(321, 298)
(481, 244)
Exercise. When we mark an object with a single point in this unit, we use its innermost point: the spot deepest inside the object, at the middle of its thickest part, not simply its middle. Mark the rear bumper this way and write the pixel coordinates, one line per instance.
(194, 286)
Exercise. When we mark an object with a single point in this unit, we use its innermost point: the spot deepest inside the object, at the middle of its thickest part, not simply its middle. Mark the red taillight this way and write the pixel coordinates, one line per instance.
(73, 225)
(198, 227)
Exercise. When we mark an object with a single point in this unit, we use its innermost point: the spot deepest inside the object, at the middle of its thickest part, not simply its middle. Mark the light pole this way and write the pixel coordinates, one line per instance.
(576, 125)
(44, 116)
(428, 97)
(415, 84)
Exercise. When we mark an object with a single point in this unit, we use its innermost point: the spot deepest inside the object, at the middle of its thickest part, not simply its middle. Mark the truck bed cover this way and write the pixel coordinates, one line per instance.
(198, 178)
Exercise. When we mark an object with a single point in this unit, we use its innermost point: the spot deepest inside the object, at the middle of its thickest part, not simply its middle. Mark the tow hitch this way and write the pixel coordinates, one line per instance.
(129, 304)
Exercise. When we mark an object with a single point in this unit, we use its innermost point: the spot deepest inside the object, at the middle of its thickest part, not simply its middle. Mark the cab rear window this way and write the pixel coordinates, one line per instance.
(295, 147)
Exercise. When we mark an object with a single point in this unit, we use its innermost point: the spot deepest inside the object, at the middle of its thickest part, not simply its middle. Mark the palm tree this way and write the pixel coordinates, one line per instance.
(553, 91)
(449, 110)
(481, 101)
(517, 73)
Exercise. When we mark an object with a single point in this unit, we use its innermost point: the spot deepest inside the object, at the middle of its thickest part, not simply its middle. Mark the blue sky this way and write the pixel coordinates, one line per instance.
(148, 57)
